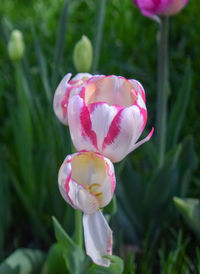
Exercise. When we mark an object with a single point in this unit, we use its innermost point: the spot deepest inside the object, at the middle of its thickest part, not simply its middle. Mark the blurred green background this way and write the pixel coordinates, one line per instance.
(33, 143)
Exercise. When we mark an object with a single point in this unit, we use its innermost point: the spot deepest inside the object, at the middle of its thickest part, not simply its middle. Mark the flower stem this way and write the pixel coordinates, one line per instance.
(162, 88)
(78, 228)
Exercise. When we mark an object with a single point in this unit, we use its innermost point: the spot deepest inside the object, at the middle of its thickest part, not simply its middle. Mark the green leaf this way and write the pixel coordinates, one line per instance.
(187, 164)
(55, 262)
(74, 255)
(179, 109)
(190, 210)
(116, 266)
(23, 261)
(42, 67)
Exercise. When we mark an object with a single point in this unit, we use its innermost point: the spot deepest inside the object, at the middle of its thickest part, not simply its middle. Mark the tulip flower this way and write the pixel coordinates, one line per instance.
(65, 90)
(108, 116)
(87, 182)
(151, 8)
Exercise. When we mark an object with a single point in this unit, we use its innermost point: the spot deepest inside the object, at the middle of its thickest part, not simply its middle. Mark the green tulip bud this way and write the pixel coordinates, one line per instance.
(16, 46)
(83, 54)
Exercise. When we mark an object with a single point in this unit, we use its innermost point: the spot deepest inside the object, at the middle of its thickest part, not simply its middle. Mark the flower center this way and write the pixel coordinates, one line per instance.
(112, 90)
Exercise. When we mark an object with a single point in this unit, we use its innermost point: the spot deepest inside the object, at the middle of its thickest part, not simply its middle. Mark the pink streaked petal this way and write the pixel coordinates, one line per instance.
(98, 238)
(102, 115)
(111, 174)
(113, 131)
(146, 139)
(86, 124)
(129, 126)
(79, 137)
(58, 98)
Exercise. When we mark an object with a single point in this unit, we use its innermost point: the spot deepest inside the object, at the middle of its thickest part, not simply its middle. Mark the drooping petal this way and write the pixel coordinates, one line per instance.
(124, 130)
(98, 238)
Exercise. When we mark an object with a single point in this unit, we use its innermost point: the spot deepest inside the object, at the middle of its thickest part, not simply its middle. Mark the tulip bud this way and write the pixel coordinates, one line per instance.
(83, 54)
(16, 46)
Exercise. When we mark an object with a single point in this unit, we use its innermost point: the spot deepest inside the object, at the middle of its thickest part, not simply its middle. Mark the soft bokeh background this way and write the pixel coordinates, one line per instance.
(33, 143)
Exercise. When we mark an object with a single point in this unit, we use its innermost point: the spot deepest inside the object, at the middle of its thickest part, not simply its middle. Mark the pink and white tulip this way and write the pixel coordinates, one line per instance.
(65, 90)
(108, 116)
(87, 182)
(151, 8)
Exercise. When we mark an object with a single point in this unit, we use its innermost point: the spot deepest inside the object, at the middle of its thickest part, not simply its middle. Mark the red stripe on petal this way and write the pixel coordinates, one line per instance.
(144, 114)
(67, 187)
(113, 131)
(87, 126)
(64, 102)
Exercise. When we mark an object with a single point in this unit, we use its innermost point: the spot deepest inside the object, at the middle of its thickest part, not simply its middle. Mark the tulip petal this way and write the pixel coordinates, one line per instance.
(83, 137)
(58, 98)
(101, 115)
(146, 139)
(125, 129)
(82, 199)
(98, 238)
(111, 89)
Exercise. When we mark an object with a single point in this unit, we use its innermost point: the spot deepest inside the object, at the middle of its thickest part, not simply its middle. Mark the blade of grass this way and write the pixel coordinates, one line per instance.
(60, 43)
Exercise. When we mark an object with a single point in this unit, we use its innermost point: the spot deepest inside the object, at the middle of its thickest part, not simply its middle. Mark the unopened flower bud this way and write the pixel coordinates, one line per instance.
(83, 54)
(16, 46)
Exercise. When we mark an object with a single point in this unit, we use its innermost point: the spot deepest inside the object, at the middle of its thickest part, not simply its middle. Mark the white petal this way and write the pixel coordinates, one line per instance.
(82, 140)
(101, 115)
(107, 186)
(98, 238)
(82, 199)
(129, 126)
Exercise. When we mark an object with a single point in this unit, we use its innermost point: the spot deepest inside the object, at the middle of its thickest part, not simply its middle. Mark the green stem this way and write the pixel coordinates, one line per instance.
(78, 220)
(162, 88)
(78, 228)
(101, 8)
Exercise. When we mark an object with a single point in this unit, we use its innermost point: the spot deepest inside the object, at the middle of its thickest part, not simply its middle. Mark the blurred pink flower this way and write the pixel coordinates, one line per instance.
(87, 182)
(151, 8)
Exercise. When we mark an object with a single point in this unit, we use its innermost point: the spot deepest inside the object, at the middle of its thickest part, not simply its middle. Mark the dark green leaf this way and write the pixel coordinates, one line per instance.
(179, 109)
(74, 255)
(55, 262)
